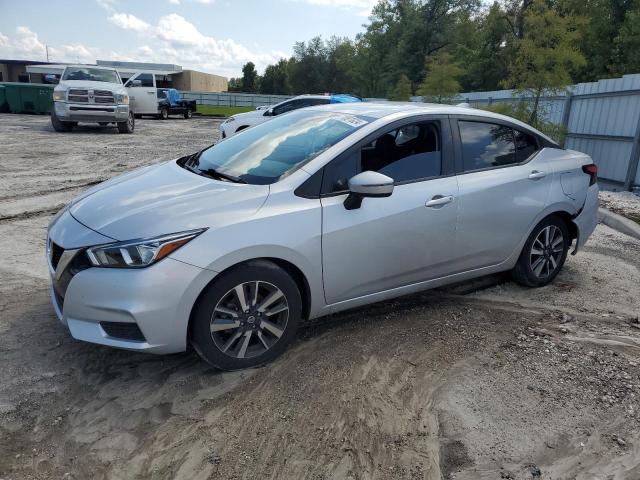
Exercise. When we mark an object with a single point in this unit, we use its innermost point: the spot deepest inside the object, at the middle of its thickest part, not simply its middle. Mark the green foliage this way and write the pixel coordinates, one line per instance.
(440, 85)
(249, 78)
(546, 54)
(533, 45)
(276, 79)
(522, 111)
(402, 91)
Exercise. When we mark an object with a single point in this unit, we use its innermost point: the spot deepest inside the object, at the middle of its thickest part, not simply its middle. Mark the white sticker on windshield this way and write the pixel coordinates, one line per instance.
(351, 120)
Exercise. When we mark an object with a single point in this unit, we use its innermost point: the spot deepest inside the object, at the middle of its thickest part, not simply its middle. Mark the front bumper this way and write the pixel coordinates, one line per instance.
(83, 112)
(587, 219)
(98, 304)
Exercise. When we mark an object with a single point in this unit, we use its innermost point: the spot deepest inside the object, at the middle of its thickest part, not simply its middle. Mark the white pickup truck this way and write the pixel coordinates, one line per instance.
(91, 94)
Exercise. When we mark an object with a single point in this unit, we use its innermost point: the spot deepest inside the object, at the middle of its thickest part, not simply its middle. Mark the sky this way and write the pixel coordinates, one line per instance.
(215, 36)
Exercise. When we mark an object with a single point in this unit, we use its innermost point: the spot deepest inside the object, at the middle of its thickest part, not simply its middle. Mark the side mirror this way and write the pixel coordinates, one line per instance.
(134, 83)
(367, 184)
(268, 112)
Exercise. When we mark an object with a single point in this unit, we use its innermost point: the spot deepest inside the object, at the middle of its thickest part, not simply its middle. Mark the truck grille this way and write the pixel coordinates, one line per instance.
(77, 95)
(103, 96)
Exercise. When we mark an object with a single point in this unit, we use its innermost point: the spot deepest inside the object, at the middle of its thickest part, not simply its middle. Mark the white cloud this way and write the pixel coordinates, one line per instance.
(346, 4)
(172, 40)
(127, 21)
(176, 40)
(174, 2)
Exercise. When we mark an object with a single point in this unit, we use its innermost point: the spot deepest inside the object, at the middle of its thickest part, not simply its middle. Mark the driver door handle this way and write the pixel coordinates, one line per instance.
(536, 174)
(439, 200)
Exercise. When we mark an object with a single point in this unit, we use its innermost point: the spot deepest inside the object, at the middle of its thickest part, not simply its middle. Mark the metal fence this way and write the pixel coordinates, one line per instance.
(602, 119)
(227, 99)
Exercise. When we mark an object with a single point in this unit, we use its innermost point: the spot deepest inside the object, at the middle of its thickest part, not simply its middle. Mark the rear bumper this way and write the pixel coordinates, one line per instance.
(587, 219)
(82, 112)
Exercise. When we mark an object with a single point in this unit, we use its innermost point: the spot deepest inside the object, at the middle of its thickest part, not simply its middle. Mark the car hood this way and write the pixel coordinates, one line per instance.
(251, 114)
(88, 84)
(164, 199)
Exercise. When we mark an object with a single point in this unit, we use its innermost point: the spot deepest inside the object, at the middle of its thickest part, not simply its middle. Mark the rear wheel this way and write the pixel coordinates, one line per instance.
(247, 317)
(128, 126)
(544, 253)
(60, 126)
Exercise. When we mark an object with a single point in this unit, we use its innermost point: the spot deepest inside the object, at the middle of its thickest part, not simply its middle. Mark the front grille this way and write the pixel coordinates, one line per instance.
(77, 95)
(123, 330)
(104, 100)
(56, 253)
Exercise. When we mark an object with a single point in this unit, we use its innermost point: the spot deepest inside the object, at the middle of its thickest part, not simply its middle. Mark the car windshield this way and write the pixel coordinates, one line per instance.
(92, 74)
(270, 151)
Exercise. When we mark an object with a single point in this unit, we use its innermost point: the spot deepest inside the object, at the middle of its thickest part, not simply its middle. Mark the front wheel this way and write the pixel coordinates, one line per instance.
(544, 253)
(59, 125)
(128, 126)
(164, 113)
(247, 317)
(188, 114)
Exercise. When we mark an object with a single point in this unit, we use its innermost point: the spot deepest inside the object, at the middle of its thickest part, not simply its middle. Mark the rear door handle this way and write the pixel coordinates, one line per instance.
(151, 93)
(439, 200)
(536, 174)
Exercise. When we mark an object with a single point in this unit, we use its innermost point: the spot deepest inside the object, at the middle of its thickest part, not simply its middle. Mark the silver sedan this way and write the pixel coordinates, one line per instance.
(320, 210)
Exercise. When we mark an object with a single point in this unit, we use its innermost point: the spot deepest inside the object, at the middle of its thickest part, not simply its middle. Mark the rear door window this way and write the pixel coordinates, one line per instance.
(486, 145)
(526, 145)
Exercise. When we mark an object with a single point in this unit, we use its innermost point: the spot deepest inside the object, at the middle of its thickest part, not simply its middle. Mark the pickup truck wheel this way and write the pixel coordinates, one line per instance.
(164, 113)
(187, 114)
(60, 126)
(128, 126)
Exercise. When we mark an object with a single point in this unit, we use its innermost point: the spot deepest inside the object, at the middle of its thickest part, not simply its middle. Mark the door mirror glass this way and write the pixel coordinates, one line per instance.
(268, 112)
(134, 83)
(367, 184)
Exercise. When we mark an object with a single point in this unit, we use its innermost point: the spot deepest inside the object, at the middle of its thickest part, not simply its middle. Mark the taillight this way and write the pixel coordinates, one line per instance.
(592, 171)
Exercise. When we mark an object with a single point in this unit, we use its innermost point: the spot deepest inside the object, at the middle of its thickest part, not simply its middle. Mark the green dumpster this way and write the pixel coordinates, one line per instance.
(4, 106)
(28, 97)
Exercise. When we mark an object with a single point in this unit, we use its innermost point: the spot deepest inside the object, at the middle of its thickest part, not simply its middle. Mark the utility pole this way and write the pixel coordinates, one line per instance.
(46, 47)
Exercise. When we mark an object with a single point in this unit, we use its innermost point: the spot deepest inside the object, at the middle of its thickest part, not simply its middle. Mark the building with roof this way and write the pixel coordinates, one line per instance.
(167, 75)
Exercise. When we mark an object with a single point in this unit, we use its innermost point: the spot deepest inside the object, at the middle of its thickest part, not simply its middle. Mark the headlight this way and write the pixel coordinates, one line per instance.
(139, 253)
(122, 99)
(59, 95)
(230, 119)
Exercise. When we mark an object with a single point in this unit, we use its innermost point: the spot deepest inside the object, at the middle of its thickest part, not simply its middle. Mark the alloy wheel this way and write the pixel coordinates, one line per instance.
(249, 319)
(546, 251)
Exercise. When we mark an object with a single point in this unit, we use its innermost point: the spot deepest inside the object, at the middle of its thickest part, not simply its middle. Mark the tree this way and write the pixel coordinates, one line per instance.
(402, 90)
(249, 78)
(626, 57)
(276, 79)
(440, 85)
(546, 54)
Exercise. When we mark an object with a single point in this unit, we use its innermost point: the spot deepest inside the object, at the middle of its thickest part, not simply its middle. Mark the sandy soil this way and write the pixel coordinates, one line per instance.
(624, 203)
(504, 382)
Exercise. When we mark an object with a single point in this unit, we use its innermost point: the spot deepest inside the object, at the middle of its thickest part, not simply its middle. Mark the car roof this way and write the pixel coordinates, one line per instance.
(381, 109)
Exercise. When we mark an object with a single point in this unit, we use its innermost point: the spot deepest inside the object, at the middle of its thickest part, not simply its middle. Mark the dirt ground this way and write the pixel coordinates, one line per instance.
(485, 380)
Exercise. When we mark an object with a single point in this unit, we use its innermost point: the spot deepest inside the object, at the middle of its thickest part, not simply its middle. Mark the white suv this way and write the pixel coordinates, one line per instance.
(240, 121)
(88, 93)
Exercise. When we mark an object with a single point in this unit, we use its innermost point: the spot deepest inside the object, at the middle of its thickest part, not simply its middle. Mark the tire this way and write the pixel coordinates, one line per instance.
(60, 126)
(246, 339)
(188, 113)
(543, 254)
(128, 126)
(164, 113)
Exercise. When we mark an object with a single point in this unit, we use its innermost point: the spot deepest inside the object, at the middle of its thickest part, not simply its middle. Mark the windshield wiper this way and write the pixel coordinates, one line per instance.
(213, 173)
